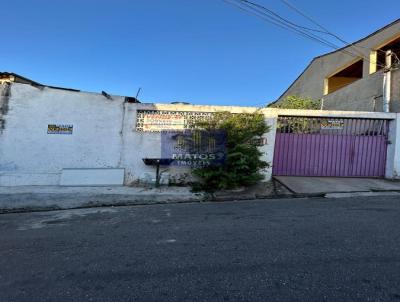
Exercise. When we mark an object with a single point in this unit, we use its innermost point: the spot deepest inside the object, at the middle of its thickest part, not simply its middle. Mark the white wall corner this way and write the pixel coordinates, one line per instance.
(269, 147)
(393, 150)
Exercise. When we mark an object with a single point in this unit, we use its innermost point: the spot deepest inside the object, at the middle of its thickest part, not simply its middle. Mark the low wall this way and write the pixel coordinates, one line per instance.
(32, 153)
(103, 134)
(140, 144)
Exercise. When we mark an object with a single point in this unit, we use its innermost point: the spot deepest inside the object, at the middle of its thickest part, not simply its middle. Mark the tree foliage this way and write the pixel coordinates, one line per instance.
(296, 102)
(243, 164)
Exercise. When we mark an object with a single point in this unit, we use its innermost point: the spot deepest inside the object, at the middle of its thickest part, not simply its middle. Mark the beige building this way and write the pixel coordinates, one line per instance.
(352, 78)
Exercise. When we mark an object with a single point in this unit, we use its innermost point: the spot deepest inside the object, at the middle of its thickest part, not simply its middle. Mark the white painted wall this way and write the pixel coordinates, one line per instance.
(136, 146)
(30, 156)
(268, 148)
(92, 177)
(104, 135)
(393, 152)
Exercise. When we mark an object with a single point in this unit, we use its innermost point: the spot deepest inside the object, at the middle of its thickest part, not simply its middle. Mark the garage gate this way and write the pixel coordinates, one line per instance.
(336, 147)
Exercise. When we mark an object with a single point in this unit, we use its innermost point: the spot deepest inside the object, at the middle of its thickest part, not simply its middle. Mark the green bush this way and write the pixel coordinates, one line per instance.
(243, 164)
(296, 102)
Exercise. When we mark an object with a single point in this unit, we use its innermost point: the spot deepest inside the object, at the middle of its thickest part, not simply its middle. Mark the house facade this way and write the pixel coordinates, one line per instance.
(56, 136)
(352, 78)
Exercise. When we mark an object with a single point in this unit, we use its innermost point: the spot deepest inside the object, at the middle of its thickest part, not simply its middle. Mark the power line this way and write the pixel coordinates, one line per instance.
(270, 16)
(279, 23)
(315, 36)
(266, 17)
(282, 18)
(327, 31)
(287, 3)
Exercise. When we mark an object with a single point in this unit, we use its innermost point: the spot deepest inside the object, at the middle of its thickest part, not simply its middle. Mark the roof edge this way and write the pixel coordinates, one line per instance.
(332, 52)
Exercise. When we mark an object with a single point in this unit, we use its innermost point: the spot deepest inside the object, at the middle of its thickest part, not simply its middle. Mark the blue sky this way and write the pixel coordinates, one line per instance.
(199, 51)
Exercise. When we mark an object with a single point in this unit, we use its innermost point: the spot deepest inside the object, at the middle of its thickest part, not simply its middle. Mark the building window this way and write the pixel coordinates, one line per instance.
(378, 56)
(344, 77)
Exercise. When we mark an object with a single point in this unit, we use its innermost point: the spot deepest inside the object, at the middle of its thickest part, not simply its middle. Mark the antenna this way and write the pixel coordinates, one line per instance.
(138, 92)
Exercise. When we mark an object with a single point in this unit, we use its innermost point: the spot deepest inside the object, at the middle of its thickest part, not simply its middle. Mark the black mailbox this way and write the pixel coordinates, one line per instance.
(157, 162)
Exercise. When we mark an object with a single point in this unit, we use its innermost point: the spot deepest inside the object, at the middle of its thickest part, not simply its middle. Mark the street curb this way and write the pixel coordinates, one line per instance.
(99, 205)
(39, 202)
(123, 200)
(338, 195)
(120, 200)
(260, 197)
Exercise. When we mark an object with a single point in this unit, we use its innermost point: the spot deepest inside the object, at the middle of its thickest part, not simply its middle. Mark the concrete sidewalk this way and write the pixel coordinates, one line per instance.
(36, 198)
(325, 185)
(31, 198)
(28, 198)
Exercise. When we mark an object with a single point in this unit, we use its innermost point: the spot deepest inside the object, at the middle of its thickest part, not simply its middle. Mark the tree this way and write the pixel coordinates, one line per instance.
(296, 102)
(243, 164)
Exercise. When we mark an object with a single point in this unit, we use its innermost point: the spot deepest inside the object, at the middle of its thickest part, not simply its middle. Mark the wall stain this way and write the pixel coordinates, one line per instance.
(5, 95)
(8, 166)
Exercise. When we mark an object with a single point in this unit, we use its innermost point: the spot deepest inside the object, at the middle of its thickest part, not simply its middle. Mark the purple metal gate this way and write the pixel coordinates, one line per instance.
(344, 147)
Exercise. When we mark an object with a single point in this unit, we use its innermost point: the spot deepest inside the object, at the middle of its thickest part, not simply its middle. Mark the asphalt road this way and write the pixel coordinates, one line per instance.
(275, 250)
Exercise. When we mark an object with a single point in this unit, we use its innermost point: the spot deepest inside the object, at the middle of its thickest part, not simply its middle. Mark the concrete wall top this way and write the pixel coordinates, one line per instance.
(200, 108)
(270, 112)
(331, 113)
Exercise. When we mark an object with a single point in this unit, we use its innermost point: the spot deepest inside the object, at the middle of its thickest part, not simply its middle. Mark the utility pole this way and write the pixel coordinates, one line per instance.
(387, 80)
